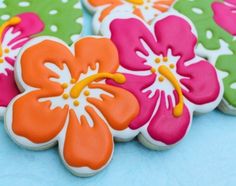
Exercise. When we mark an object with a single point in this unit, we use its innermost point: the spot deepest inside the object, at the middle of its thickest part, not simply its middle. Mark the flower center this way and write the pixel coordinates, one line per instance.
(136, 2)
(78, 87)
(165, 72)
(11, 22)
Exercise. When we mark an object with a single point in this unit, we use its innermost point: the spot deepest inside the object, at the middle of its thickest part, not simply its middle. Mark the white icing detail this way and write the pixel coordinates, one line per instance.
(233, 86)
(79, 20)
(64, 1)
(2, 4)
(53, 28)
(13, 52)
(197, 10)
(209, 34)
(24, 4)
(53, 12)
(74, 37)
(5, 17)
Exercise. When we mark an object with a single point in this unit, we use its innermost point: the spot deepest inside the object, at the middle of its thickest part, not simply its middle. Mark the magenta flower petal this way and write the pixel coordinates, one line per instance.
(202, 82)
(224, 15)
(30, 24)
(180, 38)
(127, 40)
(8, 88)
(165, 127)
(136, 85)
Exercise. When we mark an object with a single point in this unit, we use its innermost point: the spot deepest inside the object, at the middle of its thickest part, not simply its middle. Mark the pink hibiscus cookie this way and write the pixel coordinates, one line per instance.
(164, 73)
(225, 15)
(14, 33)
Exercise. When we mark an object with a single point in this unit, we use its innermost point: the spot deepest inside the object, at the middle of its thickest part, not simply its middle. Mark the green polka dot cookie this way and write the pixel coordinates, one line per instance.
(61, 18)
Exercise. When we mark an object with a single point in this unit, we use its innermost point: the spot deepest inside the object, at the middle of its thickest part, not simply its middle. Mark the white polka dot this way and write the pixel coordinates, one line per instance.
(64, 1)
(209, 34)
(197, 10)
(53, 28)
(24, 4)
(53, 12)
(5, 17)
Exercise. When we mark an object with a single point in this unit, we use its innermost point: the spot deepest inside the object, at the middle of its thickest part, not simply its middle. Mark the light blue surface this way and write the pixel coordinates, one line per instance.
(206, 157)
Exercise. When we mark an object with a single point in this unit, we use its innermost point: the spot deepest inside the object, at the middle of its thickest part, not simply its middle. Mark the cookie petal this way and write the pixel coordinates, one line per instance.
(29, 25)
(224, 15)
(8, 88)
(127, 41)
(87, 146)
(202, 82)
(165, 127)
(180, 40)
(35, 120)
(104, 53)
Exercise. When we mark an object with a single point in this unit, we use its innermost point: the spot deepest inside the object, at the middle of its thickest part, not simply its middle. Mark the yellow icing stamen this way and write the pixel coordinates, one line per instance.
(153, 70)
(165, 59)
(72, 81)
(146, 7)
(64, 85)
(172, 66)
(86, 93)
(76, 103)
(166, 72)
(161, 78)
(157, 60)
(65, 96)
(1, 60)
(10, 22)
(7, 50)
(78, 87)
(137, 2)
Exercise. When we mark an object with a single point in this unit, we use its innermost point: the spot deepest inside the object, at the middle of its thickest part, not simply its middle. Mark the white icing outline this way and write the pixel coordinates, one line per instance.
(142, 133)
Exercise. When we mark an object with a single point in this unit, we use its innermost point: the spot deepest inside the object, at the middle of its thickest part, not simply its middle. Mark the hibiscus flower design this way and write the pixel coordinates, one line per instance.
(214, 21)
(145, 9)
(164, 73)
(14, 33)
(67, 101)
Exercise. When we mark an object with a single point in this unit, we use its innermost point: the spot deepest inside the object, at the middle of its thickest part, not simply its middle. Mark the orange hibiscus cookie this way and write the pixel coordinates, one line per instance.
(66, 100)
(145, 9)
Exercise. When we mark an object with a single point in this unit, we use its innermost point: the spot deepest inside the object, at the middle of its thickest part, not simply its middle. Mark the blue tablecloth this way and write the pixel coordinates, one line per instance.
(206, 157)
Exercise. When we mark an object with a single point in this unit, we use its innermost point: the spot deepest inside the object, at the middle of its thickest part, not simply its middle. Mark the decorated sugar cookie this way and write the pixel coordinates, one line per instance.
(66, 100)
(14, 33)
(62, 18)
(145, 9)
(215, 23)
(164, 73)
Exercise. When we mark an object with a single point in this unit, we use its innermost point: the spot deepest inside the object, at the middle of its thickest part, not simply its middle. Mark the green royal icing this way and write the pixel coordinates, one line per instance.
(62, 18)
(201, 14)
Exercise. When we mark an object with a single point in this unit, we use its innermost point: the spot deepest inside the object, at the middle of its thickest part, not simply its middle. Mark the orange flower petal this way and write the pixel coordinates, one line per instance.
(87, 146)
(159, 5)
(119, 110)
(89, 51)
(35, 120)
(34, 71)
(113, 4)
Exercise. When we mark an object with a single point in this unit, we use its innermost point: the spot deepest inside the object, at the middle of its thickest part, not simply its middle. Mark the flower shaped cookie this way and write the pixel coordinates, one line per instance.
(67, 101)
(14, 33)
(145, 9)
(214, 21)
(164, 73)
